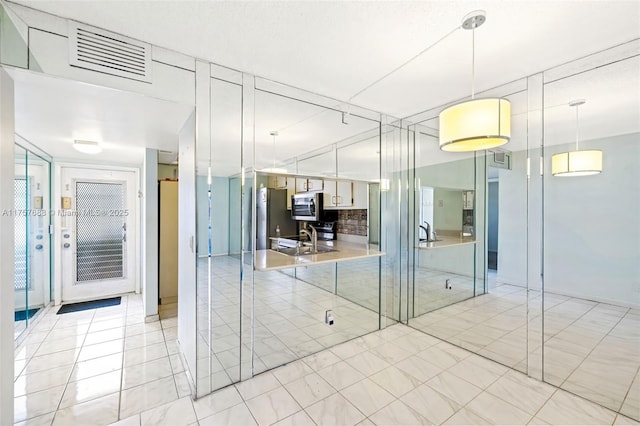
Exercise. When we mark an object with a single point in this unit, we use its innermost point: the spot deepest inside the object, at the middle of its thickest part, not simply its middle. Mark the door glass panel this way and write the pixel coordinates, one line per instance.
(100, 231)
(22, 278)
(21, 272)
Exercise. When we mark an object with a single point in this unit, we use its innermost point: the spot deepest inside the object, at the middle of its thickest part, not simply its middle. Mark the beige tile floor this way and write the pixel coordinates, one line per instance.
(591, 349)
(106, 365)
(289, 316)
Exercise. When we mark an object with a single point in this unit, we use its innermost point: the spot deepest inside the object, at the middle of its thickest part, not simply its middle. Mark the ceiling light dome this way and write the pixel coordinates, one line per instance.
(87, 147)
(579, 162)
(476, 124)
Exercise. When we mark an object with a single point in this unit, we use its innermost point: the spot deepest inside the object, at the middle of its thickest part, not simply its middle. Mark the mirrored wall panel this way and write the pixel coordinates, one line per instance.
(592, 235)
(316, 278)
(469, 282)
(219, 240)
(31, 213)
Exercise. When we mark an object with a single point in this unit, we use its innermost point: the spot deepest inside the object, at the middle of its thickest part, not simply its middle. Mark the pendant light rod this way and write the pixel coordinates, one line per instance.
(473, 63)
(274, 134)
(577, 104)
(470, 22)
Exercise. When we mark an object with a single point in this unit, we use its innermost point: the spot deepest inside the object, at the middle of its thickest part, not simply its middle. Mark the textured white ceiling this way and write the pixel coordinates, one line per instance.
(337, 49)
(51, 113)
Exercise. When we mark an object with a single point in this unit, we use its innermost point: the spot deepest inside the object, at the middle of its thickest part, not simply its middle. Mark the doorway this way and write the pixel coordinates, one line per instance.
(98, 233)
(493, 209)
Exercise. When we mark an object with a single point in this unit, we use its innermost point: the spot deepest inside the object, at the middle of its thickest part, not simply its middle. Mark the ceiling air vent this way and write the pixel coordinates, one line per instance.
(109, 53)
(500, 159)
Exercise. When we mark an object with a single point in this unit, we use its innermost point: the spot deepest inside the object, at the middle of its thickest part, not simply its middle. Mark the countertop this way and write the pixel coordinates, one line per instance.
(446, 241)
(270, 260)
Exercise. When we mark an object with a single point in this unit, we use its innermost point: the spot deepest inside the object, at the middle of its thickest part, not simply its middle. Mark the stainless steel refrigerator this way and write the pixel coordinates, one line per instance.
(272, 213)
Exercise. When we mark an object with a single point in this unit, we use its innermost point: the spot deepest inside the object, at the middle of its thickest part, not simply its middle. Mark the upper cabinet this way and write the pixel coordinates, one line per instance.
(306, 185)
(279, 182)
(283, 182)
(360, 195)
(338, 194)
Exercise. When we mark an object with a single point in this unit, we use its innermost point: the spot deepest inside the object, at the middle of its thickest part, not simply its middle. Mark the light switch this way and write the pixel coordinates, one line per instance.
(37, 202)
(66, 203)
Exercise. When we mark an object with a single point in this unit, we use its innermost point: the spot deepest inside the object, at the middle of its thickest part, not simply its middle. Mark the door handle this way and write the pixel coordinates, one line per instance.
(124, 232)
(66, 245)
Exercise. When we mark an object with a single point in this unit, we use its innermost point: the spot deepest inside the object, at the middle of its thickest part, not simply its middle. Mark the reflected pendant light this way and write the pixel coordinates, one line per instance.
(476, 124)
(578, 162)
(274, 169)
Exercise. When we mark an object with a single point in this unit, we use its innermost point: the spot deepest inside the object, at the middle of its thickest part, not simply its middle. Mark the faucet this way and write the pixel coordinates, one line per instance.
(428, 232)
(313, 236)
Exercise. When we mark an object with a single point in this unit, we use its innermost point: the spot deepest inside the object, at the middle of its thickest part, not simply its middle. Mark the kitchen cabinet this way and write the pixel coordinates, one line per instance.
(360, 195)
(306, 185)
(278, 182)
(338, 194)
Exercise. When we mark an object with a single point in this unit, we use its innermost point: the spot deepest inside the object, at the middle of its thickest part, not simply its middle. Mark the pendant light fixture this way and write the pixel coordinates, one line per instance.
(577, 163)
(274, 169)
(476, 124)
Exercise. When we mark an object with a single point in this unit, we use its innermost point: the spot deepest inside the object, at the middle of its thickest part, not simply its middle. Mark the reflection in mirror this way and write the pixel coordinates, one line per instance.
(32, 283)
(316, 149)
(218, 200)
(450, 298)
(22, 277)
(592, 239)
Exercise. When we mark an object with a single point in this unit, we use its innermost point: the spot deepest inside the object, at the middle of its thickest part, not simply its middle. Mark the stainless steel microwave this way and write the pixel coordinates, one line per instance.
(307, 206)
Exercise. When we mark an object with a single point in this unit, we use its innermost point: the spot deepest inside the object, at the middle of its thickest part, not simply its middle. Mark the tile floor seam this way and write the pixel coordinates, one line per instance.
(74, 364)
(545, 402)
(591, 351)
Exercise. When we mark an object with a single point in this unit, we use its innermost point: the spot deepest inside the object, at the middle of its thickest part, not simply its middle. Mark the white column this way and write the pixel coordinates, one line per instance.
(6, 248)
(150, 235)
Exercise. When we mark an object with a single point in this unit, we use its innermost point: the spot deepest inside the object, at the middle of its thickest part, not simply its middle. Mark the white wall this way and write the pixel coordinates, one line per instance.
(592, 226)
(512, 227)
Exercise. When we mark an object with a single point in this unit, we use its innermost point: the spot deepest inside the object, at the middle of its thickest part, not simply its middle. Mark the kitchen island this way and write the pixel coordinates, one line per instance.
(272, 260)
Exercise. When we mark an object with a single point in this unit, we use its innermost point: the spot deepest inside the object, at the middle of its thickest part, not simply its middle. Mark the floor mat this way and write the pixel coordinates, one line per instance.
(93, 304)
(23, 315)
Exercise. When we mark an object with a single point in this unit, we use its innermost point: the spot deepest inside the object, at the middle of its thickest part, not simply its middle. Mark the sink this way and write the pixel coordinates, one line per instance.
(303, 251)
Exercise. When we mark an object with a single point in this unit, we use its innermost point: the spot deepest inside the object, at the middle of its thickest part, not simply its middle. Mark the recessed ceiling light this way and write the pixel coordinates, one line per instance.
(87, 147)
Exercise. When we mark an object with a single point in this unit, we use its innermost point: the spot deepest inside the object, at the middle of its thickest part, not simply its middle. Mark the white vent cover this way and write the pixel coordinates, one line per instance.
(499, 158)
(109, 53)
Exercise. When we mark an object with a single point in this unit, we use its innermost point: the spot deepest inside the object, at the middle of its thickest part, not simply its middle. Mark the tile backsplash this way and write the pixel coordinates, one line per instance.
(352, 222)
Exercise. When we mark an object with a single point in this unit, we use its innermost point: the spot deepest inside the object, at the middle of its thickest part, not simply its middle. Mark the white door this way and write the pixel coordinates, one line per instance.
(98, 233)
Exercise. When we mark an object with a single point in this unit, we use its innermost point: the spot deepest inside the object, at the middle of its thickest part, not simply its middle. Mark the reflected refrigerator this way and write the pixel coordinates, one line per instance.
(272, 213)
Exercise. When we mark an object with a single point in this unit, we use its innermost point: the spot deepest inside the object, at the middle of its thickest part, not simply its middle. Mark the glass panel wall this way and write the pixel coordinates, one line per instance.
(32, 282)
(307, 144)
(592, 236)
(219, 230)
(469, 286)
